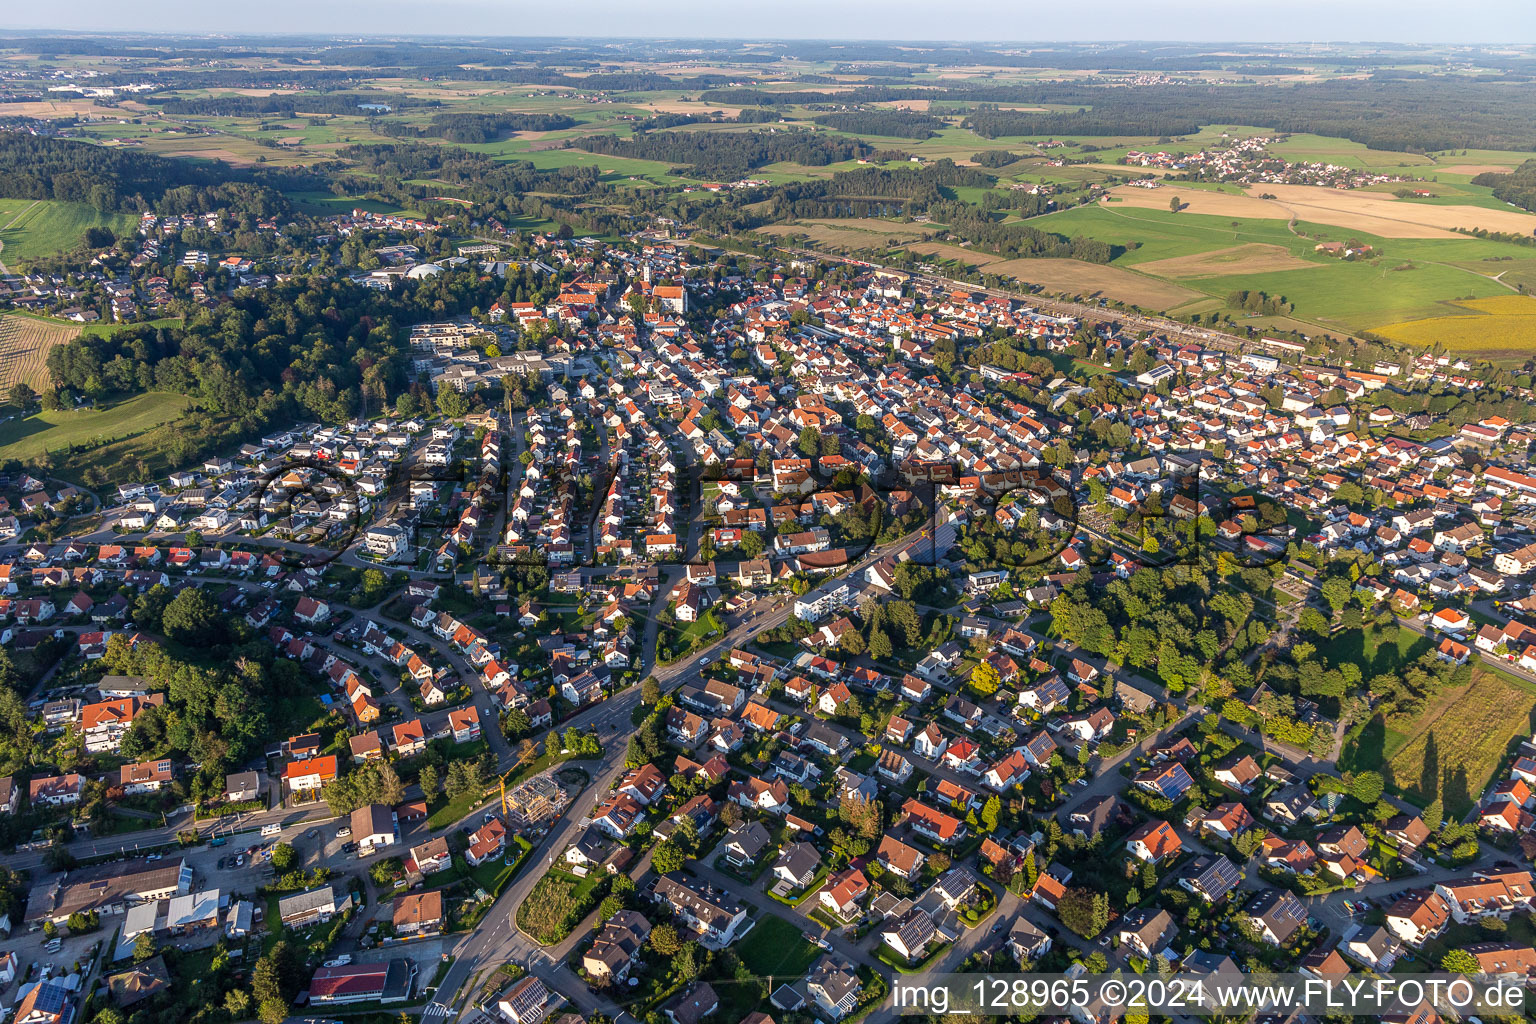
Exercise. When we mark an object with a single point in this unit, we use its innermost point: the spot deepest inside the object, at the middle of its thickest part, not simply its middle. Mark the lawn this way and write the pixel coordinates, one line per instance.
(1374, 650)
(29, 229)
(1451, 749)
(686, 638)
(493, 875)
(449, 811)
(102, 330)
(50, 431)
(775, 947)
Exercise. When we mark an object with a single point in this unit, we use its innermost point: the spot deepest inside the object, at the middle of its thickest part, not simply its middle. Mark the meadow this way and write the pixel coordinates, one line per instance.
(119, 425)
(1411, 278)
(855, 232)
(326, 204)
(30, 228)
(1067, 277)
(1459, 741)
(1454, 745)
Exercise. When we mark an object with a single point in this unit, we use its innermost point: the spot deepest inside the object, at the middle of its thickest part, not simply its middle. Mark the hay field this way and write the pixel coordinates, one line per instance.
(1502, 325)
(24, 347)
(1356, 210)
(1252, 258)
(1071, 277)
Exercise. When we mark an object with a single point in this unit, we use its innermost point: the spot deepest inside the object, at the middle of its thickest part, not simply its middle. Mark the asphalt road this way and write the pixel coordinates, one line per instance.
(493, 944)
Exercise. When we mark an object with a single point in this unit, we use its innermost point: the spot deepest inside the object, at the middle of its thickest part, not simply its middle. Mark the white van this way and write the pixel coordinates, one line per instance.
(271, 830)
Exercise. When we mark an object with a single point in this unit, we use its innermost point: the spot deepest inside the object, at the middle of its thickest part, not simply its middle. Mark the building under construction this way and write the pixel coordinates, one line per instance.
(535, 802)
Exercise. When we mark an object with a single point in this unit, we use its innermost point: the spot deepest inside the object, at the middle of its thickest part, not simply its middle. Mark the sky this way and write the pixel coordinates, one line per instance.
(1425, 21)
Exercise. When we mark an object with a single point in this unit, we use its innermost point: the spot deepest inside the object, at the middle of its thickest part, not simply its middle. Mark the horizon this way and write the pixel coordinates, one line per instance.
(1264, 22)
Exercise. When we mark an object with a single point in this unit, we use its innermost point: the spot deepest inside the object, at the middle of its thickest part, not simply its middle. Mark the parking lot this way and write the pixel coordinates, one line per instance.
(33, 955)
(425, 953)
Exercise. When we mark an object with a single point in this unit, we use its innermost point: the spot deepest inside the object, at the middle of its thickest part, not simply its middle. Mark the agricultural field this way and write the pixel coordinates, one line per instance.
(117, 425)
(1502, 325)
(1459, 742)
(1410, 278)
(1071, 277)
(855, 232)
(33, 228)
(1250, 258)
(1375, 213)
(24, 345)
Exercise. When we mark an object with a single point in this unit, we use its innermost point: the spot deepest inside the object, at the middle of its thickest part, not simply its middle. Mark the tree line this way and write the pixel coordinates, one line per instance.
(286, 105)
(473, 128)
(901, 124)
(1518, 187)
(729, 154)
(1413, 114)
(33, 167)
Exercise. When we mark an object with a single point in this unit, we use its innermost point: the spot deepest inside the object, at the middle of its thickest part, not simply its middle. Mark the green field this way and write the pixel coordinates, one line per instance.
(1374, 651)
(33, 228)
(1411, 279)
(28, 438)
(1453, 747)
(324, 204)
(1322, 149)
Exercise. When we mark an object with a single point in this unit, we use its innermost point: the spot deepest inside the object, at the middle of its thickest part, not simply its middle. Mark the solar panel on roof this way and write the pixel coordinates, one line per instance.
(51, 998)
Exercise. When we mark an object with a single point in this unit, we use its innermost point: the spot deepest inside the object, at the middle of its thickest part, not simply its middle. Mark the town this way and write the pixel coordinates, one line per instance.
(1249, 161)
(802, 642)
(464, 574)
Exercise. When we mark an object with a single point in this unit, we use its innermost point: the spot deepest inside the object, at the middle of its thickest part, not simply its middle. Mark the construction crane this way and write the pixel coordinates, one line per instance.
(534, 799)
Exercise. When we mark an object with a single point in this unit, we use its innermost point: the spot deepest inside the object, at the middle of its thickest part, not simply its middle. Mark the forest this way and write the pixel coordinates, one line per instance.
(901, 124)
(286, 105)
(995, 158)
(1406, 115)
(1389, 112)
(1517, 187)
(473, 128)
(33, 167)
(729, 155)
